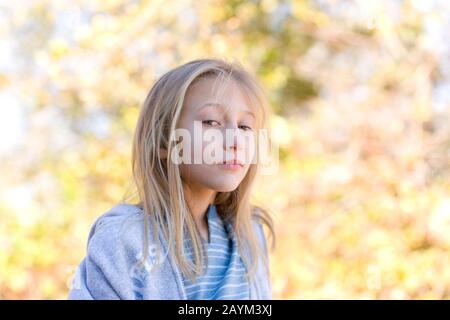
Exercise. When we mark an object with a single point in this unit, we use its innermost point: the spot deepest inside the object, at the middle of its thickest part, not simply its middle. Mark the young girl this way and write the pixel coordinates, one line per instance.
(193, 234)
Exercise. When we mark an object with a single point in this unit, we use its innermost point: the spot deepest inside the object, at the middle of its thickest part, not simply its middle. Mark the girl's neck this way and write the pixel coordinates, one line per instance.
(198, 200)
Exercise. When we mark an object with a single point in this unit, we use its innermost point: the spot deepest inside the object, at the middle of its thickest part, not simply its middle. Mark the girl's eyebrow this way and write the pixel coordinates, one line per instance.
(219, 105)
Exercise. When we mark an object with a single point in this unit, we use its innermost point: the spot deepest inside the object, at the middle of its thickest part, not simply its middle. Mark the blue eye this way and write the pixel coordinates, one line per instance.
(210, 122)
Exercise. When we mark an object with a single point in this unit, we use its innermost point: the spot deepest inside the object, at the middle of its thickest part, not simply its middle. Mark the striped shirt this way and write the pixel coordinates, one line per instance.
(224, 279)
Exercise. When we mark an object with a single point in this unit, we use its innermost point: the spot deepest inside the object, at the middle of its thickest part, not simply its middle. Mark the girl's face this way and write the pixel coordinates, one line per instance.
(233, 120)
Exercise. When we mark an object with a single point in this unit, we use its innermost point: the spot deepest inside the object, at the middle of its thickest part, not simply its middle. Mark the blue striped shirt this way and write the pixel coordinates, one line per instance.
(224, 278)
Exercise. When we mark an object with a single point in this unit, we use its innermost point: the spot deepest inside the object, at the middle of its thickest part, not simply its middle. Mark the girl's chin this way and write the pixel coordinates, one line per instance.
(224, 187)
(226, 190)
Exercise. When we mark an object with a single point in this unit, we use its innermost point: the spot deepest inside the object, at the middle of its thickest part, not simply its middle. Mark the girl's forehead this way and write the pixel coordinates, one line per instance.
(226, 94)
(216, 88)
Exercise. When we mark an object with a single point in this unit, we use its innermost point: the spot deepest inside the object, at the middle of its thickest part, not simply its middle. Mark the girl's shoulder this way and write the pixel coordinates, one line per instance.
(114, 250)
(120, 230)
(117, 216)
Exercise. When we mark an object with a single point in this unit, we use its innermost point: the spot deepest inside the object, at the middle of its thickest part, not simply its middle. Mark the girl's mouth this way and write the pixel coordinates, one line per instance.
(231, 165)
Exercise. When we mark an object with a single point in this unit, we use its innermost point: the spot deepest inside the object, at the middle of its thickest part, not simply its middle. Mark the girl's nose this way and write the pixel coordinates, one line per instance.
(234, 139)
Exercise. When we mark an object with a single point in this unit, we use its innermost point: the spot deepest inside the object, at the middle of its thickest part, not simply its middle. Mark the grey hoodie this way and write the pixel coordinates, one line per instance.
(110, 269)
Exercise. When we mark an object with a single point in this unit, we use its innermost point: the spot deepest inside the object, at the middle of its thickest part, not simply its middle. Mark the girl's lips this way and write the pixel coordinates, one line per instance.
(233, 161)
(230, 166)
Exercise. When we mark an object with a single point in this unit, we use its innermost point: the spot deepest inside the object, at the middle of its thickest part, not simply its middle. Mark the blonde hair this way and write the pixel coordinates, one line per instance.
(158, 182)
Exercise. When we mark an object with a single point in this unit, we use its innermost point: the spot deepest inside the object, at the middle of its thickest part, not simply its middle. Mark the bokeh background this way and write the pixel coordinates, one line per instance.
(361, 97)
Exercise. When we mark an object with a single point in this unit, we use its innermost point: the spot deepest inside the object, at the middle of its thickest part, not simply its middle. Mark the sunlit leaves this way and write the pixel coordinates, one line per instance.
(360, 92)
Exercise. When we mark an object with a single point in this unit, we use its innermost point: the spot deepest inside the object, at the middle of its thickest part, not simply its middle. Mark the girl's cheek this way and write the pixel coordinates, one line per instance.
(213, 153)
(249, 150)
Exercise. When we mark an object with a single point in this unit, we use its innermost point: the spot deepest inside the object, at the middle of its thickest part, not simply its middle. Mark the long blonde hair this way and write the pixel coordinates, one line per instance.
(157, 181)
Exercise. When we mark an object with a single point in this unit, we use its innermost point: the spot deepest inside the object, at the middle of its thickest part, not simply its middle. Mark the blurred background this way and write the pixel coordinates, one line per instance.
(360, 92)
